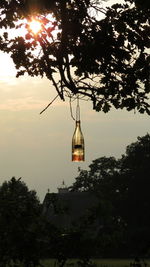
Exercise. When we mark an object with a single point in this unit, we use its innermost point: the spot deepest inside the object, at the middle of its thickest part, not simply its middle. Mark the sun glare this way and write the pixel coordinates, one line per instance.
(35, 26)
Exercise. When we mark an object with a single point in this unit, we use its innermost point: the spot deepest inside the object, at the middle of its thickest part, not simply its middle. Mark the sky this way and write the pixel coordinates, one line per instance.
(38, 147)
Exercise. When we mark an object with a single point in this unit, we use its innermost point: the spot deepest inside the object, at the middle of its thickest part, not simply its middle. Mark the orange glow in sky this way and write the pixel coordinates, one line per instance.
(35, 26)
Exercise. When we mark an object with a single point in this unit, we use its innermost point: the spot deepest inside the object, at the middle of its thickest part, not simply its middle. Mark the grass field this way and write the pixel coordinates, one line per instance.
(98, 262)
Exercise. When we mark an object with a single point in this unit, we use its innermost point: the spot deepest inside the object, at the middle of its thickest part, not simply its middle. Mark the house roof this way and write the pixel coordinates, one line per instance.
(65, 209)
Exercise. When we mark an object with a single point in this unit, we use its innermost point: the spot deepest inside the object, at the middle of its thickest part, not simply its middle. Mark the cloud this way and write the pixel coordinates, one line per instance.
(27, 103)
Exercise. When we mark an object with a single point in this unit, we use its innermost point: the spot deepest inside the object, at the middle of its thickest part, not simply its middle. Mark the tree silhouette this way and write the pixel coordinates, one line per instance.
(135, 175)
(122, 187)
(97, 53)
(20, 229)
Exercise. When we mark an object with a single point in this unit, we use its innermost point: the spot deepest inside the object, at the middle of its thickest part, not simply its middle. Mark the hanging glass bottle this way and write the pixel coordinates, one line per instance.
(78, 139)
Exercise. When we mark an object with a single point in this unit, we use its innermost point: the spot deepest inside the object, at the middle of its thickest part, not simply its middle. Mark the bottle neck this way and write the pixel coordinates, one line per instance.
(78, 123)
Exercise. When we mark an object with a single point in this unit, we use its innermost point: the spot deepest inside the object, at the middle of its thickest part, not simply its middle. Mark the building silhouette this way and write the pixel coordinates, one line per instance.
(67, 209)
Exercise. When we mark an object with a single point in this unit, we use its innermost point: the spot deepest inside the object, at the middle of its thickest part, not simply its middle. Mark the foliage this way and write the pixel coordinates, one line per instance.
(135, 173)
(97, 53)
(19, 225)
(142, 4)
(99, 170)
(122, 187)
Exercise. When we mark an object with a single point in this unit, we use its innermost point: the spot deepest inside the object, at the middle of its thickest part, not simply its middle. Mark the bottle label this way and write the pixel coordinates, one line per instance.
(78, 146)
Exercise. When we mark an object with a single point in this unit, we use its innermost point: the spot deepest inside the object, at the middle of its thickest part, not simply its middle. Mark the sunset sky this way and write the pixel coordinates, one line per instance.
(38, 147)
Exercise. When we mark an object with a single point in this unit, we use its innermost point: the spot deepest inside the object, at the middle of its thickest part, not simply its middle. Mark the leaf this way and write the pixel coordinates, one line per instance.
(28, 36)
(106, 107)
(98, 106)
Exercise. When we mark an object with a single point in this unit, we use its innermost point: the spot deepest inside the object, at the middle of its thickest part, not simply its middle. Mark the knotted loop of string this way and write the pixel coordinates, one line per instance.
(77, 110)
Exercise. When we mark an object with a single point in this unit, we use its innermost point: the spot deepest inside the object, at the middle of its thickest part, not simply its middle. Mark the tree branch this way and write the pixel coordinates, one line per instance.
(49, 104)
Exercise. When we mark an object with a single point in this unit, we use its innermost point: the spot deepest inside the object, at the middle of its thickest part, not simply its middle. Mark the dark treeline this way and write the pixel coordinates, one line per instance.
(121, 215)
(122, 187)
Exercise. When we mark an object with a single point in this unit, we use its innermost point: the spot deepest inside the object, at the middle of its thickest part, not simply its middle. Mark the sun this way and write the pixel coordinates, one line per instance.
(35, 26)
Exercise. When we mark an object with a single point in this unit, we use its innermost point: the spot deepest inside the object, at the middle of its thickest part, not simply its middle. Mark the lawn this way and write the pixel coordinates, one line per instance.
(98, 262)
